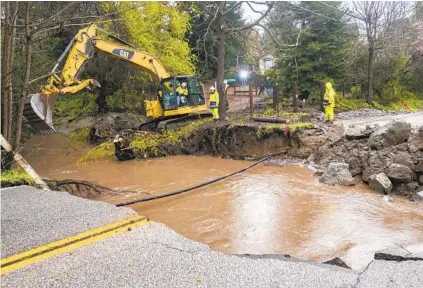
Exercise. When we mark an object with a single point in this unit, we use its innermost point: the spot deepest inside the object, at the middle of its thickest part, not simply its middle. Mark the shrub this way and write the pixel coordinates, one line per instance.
(73, 106)
(15, 177)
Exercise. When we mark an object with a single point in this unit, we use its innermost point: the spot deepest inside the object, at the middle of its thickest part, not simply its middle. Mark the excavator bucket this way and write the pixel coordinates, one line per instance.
(35, 112)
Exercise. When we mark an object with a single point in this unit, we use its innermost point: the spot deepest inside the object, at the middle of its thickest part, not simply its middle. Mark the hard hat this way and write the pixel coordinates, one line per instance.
(225, 81)
(117, 138)
(184, 84)
(212, 88)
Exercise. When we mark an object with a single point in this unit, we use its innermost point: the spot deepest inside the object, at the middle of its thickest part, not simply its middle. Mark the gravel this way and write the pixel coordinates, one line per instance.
(365, 113)
(32, 217)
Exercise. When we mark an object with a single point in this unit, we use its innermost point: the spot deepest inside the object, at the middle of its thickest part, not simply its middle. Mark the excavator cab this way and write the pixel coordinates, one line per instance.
(172, 100)
(169, 103)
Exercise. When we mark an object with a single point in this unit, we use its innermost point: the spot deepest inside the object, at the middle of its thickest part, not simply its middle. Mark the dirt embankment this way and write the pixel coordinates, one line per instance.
(224, 139)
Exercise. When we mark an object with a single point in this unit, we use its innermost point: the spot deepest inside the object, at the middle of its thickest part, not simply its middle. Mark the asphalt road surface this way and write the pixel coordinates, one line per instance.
(154, 255)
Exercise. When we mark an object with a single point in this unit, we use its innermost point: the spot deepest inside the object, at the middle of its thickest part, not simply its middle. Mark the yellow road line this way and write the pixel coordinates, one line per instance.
(71, 243)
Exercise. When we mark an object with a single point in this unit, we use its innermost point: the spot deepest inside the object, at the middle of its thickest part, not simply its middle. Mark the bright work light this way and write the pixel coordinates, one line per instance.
(243, 74)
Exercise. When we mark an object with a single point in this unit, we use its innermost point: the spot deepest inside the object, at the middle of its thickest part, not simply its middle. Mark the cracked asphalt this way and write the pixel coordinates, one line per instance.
(154, 255)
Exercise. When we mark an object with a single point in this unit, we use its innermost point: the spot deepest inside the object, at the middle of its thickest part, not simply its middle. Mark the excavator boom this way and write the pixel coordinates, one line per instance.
(39, 109)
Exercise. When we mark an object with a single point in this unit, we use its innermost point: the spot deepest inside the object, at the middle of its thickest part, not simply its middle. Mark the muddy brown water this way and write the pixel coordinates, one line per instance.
(265, 210)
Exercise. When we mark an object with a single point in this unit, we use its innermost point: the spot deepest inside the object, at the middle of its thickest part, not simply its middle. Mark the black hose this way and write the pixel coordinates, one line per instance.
(196, 186)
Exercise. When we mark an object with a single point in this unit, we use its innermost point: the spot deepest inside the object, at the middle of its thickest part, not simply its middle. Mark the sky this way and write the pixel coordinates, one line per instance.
(250, 15)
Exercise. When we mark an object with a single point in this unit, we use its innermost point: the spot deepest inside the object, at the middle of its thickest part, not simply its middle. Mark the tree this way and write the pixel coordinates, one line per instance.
(158, 28)
(320, 35)
(377, 19)
(203, 35)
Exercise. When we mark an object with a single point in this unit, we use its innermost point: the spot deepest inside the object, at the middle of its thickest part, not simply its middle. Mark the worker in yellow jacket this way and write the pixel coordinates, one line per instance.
(329, 102)
(214, 102)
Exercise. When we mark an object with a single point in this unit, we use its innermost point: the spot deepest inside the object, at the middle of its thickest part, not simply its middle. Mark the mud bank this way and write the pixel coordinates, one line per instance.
(224, 139)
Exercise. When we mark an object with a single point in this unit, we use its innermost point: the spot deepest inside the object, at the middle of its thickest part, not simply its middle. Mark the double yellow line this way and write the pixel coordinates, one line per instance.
(23, 259)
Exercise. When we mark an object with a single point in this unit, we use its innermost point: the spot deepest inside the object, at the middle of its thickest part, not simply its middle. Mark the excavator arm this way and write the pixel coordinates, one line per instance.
(39, 110)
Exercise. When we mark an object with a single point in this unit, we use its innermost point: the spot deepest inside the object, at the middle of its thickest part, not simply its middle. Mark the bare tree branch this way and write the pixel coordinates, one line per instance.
(251, 25)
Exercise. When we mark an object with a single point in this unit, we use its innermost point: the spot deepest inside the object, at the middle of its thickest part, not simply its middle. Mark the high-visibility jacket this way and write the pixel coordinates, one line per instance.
(182, 91)
(214, 100)
(330, 95)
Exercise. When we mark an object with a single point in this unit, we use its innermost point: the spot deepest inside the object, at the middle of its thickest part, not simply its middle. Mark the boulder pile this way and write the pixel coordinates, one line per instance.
(388, 158)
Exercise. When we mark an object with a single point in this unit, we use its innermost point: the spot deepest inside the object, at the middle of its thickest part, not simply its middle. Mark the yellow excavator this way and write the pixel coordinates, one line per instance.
(163, 108)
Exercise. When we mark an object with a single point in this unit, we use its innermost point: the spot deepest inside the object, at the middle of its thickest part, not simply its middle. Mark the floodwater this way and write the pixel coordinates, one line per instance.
(265, 210)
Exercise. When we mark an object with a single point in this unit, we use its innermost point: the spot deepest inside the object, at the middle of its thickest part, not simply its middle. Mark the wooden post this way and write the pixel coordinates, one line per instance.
(250, 87)
(23, 164)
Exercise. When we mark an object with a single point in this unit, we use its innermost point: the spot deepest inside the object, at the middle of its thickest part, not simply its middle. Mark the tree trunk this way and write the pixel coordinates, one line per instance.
(12, 54)
(295, 96)
(5, 72)
(221, 61)
(28, 50)
(370, 73)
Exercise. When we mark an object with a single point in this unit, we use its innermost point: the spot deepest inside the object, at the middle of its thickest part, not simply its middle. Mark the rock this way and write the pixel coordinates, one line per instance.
(418, 196)
(415, 142)
(381, 183)
(399, 173)
(375, 164)
(387, 198)
(405, 189)
(355, 166)
(358, 132)
(393, 133)
(420, 179)
(337, 174)
(337, 262)
(404, 158)
(419, 167)
(113, 123)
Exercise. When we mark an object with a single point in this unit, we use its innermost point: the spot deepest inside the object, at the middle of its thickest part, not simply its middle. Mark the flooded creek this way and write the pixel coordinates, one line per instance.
(264, 210)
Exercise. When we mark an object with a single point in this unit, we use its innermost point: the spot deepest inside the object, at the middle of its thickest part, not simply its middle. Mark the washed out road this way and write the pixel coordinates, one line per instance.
(155, 256)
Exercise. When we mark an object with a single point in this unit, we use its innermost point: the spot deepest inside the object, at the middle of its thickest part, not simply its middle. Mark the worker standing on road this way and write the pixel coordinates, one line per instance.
(122, 150)
(329, 102)
(214, 103)
(182, 91)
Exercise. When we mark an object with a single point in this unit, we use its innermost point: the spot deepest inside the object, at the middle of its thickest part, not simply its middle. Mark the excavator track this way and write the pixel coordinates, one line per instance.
(34, 116)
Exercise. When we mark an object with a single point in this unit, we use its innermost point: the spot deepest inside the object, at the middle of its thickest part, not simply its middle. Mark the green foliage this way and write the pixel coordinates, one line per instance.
(125, 100)
(271, 128)
(322, 45)
(348, 104)
(146, 144)
(73, 106)
(411, 102)
(300, 125)
(103, 151)
(158, 28)
(356, 91)
(15, 177)
(270, 111)
(203, 35)
(81, 135)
